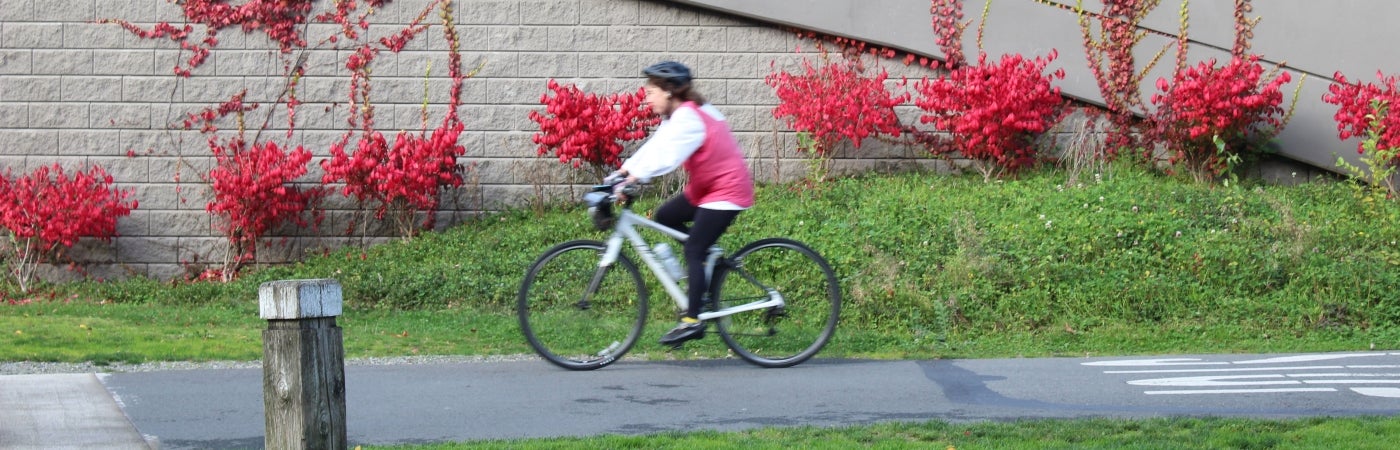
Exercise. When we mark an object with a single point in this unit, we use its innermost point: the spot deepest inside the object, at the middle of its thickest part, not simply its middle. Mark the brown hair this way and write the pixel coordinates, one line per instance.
(685, 92)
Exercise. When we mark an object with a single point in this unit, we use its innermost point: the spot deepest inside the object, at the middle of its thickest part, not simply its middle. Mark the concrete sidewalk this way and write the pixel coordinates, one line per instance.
(64, 411)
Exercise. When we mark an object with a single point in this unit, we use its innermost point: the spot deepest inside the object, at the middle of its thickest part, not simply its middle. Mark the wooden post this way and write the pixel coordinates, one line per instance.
(303, 365)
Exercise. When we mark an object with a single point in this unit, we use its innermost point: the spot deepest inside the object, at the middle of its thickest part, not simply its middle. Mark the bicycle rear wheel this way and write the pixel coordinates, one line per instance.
(576, 314)
(780, 336)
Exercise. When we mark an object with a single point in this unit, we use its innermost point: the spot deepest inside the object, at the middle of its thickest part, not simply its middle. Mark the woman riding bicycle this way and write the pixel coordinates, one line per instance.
(693, 134)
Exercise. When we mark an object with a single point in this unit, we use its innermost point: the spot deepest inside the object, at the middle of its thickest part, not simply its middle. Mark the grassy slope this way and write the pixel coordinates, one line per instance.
(932, 266)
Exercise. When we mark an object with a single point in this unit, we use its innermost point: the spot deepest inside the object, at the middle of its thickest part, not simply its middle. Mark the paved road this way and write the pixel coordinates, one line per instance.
(465, 401)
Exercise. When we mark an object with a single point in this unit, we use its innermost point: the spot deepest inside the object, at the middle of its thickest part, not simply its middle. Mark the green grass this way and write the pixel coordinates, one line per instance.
(83, 331)
(931, 267)
(1173, 433)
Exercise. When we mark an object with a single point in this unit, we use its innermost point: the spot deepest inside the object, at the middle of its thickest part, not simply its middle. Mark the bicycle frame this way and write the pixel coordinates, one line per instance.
(625, 231)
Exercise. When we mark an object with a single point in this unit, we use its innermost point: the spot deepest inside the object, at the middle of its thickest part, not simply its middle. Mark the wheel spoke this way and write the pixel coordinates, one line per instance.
(577, 315)
(789, 334)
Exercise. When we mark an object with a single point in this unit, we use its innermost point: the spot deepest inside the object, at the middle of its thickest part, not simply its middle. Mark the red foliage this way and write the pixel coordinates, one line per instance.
(251, 190)
(403, 178)
(1231, 102)
(1244, 28)
(1113, 63)
(364, 52)
(582, 127)
(396, 42)
(48, 209)
(1356, 110)
(56, 209)
(948, 26)
(280, 20)
(836, 102)
(250, 183)
(993, 111)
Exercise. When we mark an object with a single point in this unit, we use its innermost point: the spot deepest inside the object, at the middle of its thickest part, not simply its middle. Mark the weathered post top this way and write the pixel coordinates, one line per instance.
(299, 299)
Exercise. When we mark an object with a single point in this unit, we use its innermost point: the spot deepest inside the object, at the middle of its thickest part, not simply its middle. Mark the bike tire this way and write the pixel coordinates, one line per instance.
(569, 332)
(778, 337)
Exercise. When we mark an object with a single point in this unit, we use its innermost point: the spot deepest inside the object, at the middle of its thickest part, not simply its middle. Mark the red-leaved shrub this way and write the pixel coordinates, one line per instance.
(585, 128)
(253, 195)
(836, 102)
(48, 210)
(1366, 111)
(1356, 110)
(1208, 105)
(402, 179)
(994, 111)
(251, 183)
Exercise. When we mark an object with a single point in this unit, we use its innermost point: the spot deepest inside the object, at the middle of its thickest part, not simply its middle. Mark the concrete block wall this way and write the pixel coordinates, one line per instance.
(1311, 40)
(81, 93)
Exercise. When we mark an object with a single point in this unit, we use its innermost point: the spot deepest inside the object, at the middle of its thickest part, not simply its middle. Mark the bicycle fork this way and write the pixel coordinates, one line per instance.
(584, 303)
(610, 255)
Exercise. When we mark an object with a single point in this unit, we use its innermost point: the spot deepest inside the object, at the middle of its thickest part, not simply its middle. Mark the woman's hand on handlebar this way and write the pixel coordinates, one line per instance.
(614, 178)
(620, 180)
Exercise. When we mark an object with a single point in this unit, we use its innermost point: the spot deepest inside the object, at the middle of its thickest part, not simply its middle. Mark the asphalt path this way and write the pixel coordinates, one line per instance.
(424, 403)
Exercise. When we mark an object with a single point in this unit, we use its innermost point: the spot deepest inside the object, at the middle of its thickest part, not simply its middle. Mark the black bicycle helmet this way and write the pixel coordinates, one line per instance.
(672, 72)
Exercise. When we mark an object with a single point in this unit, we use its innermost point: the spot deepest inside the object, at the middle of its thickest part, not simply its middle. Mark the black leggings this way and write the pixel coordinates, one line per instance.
(707, 226)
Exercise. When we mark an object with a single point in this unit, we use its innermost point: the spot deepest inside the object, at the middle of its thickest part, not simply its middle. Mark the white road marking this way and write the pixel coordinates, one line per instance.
(1154, 362)
(1249, 369)
(1378, 392)
(1307, 375)
(1216, 380)
(1295, 374)
(1224, 370)
(1246, 380)
(1308, 358)
(1238, 391)
(1198, 361)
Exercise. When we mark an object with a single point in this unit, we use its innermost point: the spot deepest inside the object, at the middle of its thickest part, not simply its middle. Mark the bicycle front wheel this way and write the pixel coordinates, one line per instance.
(577, 314)
(779, 336)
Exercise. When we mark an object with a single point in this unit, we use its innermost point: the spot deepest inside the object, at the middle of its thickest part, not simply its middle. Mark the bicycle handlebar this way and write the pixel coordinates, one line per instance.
(601, 198)
(608, 189)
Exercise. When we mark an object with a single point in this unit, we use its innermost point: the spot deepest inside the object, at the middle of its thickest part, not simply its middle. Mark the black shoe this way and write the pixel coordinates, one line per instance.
(686, 331)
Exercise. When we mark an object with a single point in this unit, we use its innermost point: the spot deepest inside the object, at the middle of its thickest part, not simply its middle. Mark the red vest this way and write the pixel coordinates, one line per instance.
(717, 169)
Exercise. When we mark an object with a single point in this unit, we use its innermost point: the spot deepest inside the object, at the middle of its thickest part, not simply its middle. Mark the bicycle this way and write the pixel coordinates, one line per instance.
(584, 304)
